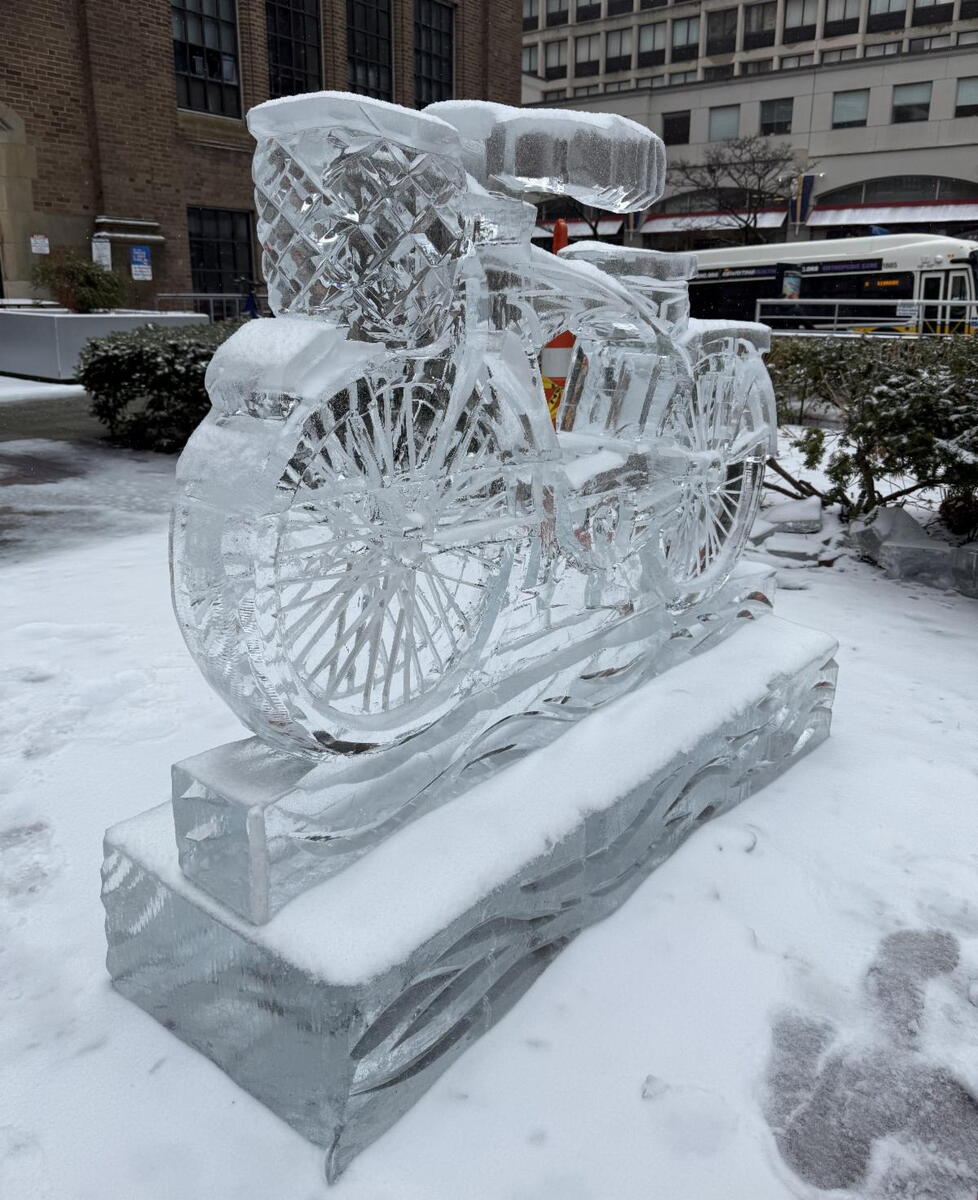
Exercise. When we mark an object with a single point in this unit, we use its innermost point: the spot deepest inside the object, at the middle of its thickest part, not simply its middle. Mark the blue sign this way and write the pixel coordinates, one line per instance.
(139, 262)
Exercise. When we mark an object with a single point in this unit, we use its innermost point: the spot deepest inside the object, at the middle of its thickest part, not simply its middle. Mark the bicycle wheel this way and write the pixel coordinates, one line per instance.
(723, 429)
(381, 579)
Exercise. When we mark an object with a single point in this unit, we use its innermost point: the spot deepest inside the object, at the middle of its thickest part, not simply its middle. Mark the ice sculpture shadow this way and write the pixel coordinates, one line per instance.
(878, 1118)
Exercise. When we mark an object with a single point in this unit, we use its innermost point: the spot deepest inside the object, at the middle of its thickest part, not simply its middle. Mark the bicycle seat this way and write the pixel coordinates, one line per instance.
(600, 159)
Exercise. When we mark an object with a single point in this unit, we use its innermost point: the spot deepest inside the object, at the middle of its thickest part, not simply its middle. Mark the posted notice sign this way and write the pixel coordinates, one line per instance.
(102, 252)
(139, 262)
(40, 243)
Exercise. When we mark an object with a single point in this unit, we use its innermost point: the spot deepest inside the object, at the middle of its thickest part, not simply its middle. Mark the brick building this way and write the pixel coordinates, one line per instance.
(122, 120)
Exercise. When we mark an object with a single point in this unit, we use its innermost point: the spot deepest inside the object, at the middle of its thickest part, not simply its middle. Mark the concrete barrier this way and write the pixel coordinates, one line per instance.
(46, 343)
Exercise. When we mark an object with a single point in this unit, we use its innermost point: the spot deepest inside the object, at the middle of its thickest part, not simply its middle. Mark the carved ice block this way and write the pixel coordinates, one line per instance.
(256, 827)
(346, 1006)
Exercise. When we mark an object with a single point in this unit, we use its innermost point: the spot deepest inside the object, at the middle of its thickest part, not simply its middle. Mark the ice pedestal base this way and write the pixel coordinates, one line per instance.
(256, 827)
(346, 1006)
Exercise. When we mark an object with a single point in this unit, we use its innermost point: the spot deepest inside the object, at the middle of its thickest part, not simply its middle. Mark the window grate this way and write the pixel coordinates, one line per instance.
(294, 41)
(368, 48)
(434, 52)
(220, 250)
(205, 56)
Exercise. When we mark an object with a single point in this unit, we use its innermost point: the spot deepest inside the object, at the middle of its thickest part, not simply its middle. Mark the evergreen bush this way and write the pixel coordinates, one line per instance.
(77, 283)
(147, 385)
(906, 408)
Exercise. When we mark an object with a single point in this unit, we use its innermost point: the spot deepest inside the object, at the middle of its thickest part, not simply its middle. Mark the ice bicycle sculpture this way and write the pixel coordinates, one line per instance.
(408, 582)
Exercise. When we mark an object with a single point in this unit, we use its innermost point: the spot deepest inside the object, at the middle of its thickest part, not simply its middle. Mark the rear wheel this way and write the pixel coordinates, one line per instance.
(723, 430)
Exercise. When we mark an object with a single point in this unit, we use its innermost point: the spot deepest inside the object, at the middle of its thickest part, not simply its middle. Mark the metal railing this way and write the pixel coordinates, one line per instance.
(884, 318)
(219, 306)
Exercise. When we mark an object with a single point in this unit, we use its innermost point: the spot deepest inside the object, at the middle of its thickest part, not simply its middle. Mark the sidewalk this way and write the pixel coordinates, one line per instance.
(30, 409)
(56, 492)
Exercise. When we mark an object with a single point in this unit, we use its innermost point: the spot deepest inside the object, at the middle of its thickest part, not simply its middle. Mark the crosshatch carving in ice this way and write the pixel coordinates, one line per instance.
(405, 578)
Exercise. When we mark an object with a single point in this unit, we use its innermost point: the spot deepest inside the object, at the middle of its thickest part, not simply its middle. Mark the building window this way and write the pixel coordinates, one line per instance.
(881, 49)
(931, 12)
(967, 101)
(556, 94)
(850, 109)
(587, 55)
(922, 45)
(434, 52)
(675, 128)
(618, 50)
(843, 54)
(293, 47)
(651, 81)
(886, 14)
(683, 77)
(652, 3)
(205, 56)
(586, 11)
(555, 60)
(368, 48)
(712, 74)
(588, 89)
(776, 116)
(652, 44)
(841, 17)
(685, 38)
(760, 23)
(895, 189)
(616, 7)
(724, 122)
(799, 20)
(619, 85)
(911, 102)
(531, 59)
(531, 14)
(757, 66)
(220, 250)
(968, 37)
(557, 12)
(790, 61)
(721, 31)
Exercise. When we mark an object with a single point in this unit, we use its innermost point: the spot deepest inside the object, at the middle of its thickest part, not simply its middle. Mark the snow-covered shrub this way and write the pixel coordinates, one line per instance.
(907, 409)
(77, 283)
(147, 385)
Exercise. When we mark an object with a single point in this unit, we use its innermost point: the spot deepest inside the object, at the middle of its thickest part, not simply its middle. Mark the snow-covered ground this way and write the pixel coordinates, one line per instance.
(16, 391)
(638, 1065)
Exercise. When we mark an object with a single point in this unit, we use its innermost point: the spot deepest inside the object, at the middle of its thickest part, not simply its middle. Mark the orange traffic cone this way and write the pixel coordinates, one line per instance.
(555, 358)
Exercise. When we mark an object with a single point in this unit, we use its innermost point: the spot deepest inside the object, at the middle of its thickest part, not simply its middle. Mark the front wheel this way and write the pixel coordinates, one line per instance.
(722, 431)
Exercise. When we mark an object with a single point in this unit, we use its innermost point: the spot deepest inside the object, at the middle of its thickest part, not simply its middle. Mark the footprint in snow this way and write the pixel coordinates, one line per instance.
(879, 1118)
(27, 861)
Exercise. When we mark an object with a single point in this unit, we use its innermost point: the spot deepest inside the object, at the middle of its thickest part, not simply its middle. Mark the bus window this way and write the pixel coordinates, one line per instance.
(957, 316)
(959, 286)
(931, 287)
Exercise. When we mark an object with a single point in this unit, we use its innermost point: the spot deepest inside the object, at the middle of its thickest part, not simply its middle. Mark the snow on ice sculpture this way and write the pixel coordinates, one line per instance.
(378, 517)
(405, 579)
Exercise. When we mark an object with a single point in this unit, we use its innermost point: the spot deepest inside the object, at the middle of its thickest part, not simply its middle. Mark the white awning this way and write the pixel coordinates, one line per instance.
(680, 222)
(607, 227)
(894, 214)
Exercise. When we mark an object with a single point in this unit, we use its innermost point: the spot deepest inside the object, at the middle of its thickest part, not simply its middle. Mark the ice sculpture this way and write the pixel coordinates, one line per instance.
(404, 577)
(378, 518)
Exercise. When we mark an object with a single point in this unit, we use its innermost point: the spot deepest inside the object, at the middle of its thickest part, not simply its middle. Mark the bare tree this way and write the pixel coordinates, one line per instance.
(738, 179)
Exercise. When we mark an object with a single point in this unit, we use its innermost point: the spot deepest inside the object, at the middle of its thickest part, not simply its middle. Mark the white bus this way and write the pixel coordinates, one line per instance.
(900, 283)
